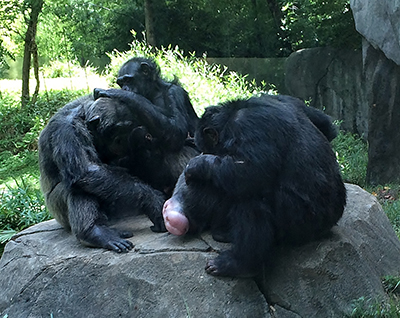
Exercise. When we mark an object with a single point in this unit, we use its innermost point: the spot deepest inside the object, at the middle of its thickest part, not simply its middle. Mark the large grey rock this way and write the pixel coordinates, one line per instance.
(379, 23)
(44, 272)
(320, 279)
(382, 82)
(331, 79)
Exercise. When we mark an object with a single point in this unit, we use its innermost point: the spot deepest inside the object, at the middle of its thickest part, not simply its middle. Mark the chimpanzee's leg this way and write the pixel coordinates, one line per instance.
(252, 238)
(88, 223)
(123, 195)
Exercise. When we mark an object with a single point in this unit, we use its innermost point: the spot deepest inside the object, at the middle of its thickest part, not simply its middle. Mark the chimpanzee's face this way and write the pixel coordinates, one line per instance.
(130, 77)
(137, 77)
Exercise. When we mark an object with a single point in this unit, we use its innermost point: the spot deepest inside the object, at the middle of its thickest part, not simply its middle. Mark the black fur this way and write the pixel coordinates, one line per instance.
(268, 176)
(164, 108)
(158, 147)
(82, 191)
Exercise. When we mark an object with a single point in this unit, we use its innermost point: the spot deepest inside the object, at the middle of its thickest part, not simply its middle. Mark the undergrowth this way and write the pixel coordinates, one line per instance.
(352, 155)
(207, 84)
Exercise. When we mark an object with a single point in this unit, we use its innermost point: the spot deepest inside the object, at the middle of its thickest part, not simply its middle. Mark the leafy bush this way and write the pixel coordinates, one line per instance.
(392, 209)
(369, 308)
(66, 69)
(207, 84)
(20, 207)
(21, 128)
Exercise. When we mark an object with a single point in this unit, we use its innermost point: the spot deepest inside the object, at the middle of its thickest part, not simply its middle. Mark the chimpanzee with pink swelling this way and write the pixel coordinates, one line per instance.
(267, 177)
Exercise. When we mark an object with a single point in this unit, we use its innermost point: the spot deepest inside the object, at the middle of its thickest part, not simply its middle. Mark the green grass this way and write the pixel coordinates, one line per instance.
(373, 308)
(21, 202)
(352, 155)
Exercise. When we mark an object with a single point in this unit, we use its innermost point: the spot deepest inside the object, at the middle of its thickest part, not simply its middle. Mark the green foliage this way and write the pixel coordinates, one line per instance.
(390, 308)
(20, 128)
(82, 30)
(367, 308)
(20, 207)
(311, 23)
(388, 197)
(352, 155)
(392, 209)
(392, 284)
(206, 84)
(18, 165)
(67, 69)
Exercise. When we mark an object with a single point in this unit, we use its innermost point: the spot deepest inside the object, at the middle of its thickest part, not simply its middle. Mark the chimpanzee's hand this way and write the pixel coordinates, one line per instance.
(100, 92)
(200, 168)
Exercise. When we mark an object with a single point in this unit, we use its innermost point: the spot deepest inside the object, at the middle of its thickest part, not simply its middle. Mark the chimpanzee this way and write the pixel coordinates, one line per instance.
(322, 121)
(83, 192)
(128, 144)
(156, 165)
(162, 107)
(267, 177)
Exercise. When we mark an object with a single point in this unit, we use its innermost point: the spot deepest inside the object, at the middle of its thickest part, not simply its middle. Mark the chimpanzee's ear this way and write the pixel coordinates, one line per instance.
(93, 123)
(145, 68)
(210, 137)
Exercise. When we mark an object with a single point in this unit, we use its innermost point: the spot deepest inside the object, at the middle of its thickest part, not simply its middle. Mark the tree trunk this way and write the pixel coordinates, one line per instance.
(35, 57)
(382, 79)
(276, 12)
(29, 49)
(258, 31)
(149, 22)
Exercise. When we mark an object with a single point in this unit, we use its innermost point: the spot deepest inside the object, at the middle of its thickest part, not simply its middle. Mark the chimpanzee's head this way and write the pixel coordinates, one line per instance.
(139, 75)
(111, 124)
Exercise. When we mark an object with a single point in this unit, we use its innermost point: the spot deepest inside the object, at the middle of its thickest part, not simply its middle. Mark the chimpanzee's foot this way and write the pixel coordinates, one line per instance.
(221, 236)
(226, 265)
(108, 238)
(154, 213)
(159, 225)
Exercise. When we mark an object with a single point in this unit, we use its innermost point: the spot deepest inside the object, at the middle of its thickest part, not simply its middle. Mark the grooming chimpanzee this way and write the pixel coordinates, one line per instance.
(154, 165)
(159, 147)
(81, 190)
(267, 177)
(163, 108)
(126, 144)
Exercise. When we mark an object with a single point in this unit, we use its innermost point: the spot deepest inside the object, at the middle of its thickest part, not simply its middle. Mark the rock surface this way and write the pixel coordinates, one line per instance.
(379, 23)
(331, 80)
(45, 272)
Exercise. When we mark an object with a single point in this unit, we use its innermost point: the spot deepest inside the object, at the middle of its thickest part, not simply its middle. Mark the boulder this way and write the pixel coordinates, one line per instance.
(45, 272)
(331, 79)
(321, 279)
(379, 23)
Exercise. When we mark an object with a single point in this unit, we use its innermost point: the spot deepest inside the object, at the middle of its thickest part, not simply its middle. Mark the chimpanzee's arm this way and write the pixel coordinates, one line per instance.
(166, 123)
(234, 176)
